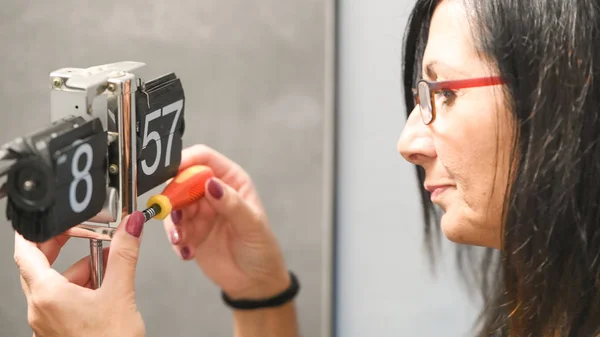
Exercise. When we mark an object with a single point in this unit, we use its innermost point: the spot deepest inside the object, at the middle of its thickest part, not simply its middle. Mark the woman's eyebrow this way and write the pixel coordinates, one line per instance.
(430, 69)
(435, 68)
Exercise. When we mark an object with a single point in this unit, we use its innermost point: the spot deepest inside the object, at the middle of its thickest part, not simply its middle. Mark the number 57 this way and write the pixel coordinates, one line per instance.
(154, 136)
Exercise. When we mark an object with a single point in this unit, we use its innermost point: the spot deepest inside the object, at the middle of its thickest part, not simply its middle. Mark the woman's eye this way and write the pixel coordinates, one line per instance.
(446, 95)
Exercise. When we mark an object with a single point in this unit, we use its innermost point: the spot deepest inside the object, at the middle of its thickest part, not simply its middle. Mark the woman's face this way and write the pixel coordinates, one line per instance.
(465, 150)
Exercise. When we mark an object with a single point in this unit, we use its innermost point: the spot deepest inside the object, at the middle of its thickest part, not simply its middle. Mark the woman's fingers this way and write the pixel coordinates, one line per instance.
(188, 228)
(124, 254)
(230, 205)
(80, 272)
(30, 260)
(173, 222)
(203, 155)
(52, 247)
(188, 235)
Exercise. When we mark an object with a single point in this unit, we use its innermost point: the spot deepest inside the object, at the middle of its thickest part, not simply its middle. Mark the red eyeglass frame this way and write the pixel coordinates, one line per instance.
(432, 87)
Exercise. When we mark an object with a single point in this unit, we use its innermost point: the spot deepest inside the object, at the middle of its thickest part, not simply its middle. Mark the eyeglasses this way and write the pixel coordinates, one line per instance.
(426, 89)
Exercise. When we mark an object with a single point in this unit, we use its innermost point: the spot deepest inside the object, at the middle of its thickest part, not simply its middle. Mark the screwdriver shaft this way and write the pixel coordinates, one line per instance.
(151, 212)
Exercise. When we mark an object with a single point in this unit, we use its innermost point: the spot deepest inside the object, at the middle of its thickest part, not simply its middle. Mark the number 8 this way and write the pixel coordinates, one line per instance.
(81, 175)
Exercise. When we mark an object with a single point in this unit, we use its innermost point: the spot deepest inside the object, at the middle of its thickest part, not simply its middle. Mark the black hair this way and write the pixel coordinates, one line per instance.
(545, 281)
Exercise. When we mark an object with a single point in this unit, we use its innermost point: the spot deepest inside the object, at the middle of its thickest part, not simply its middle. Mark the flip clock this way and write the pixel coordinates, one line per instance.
(112, 137)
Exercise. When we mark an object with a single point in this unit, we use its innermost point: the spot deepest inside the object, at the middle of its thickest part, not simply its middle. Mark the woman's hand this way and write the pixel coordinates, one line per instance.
(227, 232)
(64, 305)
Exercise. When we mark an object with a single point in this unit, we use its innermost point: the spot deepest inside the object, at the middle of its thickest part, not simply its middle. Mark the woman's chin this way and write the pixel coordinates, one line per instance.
(461, 230)
(453, 229)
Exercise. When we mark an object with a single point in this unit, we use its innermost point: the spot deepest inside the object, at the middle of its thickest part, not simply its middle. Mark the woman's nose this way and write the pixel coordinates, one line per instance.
(416, 143)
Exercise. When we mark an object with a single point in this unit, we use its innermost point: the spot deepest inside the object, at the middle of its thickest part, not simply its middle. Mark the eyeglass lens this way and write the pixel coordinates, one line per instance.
(425, 102)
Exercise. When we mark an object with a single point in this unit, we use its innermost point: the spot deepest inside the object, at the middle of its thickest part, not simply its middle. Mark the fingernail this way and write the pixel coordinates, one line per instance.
(176, 216)
(185, 253)
(175, 236)
(215, 189)
(135, 224)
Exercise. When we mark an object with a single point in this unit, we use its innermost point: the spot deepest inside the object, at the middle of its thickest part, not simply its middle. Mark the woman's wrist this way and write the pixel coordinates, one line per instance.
(277, 300)
(279, 321)
(264, 289)
(266, 309)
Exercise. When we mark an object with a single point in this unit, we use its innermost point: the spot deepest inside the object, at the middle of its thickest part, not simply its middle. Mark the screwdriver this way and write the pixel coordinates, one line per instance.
(187, 188)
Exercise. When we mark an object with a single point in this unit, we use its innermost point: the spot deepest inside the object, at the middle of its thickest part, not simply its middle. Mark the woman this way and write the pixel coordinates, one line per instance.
(504, 134)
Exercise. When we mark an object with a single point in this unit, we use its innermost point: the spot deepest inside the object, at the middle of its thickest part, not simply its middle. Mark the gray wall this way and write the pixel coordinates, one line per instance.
(385, 287)
(255, 77)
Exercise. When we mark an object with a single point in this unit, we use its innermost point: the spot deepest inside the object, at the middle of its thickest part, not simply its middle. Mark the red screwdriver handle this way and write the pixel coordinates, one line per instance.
(188, 186)
(185, 189)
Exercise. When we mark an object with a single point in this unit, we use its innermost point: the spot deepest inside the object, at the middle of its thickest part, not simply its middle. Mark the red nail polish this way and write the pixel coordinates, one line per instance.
(176, 216)
(215, 189)
(185, 253)
(135, 224)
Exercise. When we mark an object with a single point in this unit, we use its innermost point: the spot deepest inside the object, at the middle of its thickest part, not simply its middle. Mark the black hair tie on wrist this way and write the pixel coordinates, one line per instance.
(275, 301)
